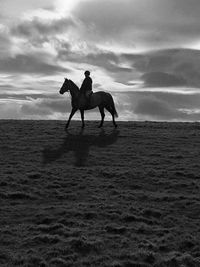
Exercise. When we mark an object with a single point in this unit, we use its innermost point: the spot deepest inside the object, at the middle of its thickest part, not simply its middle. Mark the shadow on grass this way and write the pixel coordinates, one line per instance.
(80, 144)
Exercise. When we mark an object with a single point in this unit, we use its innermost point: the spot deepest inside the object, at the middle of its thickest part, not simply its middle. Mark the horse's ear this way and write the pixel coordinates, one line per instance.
(66, 79)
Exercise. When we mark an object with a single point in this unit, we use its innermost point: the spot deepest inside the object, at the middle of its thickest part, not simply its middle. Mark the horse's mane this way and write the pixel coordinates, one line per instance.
(73, 84)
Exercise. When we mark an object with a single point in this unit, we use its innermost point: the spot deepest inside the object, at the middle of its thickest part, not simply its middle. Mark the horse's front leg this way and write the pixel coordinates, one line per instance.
(70, 116)
(82, 117)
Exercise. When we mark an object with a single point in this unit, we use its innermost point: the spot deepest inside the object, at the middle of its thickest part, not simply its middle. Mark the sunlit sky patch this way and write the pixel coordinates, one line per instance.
(145, 52)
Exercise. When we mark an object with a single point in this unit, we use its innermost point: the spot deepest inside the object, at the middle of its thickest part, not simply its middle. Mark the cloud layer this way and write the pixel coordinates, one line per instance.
(146, 52)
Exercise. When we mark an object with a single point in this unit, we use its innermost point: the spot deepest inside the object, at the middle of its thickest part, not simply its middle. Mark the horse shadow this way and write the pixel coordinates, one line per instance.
(80, 144)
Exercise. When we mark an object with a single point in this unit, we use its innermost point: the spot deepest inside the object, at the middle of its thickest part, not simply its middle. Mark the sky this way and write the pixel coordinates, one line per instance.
(146, 53)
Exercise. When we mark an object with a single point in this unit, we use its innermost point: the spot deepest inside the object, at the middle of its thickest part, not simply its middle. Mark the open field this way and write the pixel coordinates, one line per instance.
(124, 197)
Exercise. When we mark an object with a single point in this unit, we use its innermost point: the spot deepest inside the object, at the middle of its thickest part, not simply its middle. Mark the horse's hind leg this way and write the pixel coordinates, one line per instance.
(82, 118)
(113, 115)
(101, 109)
(113, 119)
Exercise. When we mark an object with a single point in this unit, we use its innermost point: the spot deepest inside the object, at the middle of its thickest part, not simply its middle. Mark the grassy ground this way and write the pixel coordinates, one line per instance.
(124, 197)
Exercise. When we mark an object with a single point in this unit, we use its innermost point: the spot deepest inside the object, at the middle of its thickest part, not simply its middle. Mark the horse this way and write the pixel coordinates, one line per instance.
(98, 99)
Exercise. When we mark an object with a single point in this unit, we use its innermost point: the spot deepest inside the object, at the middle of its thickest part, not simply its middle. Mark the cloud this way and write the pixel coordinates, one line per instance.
(15, 9)
(168, 67)
(152, 109)
(38, 108)
(161, 79)
(106, 60)
(130, 105)
(162, 106)
(142, 24)
(29, 109)
(10, 93)
(29, 64)
(45, 106)
(5, 41)
(160, 68)
(93, 22)
(175, 100)
(42, 108)
(46, 35)
(140, 45)
(9, 110)
(156, 109)
(45, 27)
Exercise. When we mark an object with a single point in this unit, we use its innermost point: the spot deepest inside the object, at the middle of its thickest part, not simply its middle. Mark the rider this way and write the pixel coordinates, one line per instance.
(86, 86)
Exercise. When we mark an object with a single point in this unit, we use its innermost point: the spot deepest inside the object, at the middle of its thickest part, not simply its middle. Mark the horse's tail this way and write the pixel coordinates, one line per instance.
(112, 106)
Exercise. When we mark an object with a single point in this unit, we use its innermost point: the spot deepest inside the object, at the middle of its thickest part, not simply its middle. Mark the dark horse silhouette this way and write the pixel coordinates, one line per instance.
(99, 99)
(80, 144)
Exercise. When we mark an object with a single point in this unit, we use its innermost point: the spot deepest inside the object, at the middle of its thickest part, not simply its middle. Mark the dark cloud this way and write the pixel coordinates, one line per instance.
(150, 23)
(109, 61)
(5, 44)
(6, 87)
(108, 16)
(41, 27)
(160, 105)
(161, 79)
(128, 21)
(175, 100)
(38, 32)
(168, 67)
(29, 64)
(157, 110)
(161, 68)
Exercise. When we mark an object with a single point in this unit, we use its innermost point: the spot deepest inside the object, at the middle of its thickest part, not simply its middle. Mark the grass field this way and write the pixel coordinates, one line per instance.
(114, 197)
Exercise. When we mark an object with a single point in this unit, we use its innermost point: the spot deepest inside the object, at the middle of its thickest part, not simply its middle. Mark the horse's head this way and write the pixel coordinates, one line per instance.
(65, 87)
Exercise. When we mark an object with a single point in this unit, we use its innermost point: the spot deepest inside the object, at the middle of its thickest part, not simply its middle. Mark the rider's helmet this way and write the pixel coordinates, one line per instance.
(87, 73)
